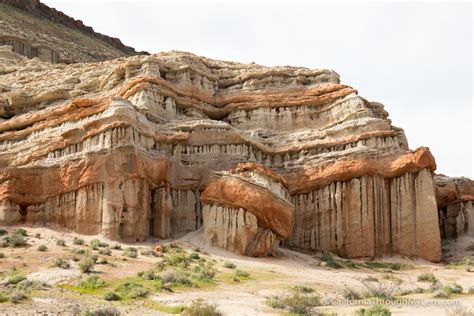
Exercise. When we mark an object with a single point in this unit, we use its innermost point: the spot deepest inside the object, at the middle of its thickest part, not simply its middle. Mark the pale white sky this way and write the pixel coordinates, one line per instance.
(416, 58)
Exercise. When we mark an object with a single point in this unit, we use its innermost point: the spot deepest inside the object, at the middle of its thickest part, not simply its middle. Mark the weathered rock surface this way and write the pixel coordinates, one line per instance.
(455, 199)
(36, 30)
(125, 148)
(247, 211)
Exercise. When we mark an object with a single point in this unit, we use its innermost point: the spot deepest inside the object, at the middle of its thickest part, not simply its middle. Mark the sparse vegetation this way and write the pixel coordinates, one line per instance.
(329, 261)
(453, 289)
(60, 242)
(112, 296)
(426, 277)
(3, 232)
(132, 290)
(176, 277)
(374, 310)
(2, 255)
(105, 251)
(201, 308)
(384, 290)
(86, 265)
(37, 235)
(78, 251)
(91, 282)
(16, 240)
(131, 252)
(78, 241)
(194, 256)
(241, 274)
(20, 231)
(295, 303)
(61, 263)
(302, 289)
(96, 244)
(229, 265)
(15, 279)
(351, 294)
(42, 248)
(17, 297)
(101, 311)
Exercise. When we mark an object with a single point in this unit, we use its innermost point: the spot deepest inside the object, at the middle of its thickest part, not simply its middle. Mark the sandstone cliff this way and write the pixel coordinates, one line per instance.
(126, 147)
(455, 198)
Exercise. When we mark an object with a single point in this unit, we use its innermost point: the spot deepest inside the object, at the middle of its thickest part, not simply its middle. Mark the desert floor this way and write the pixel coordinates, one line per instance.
(51, 290)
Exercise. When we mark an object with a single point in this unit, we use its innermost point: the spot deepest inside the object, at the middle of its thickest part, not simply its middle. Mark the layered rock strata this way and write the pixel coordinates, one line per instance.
(36, 30)
(455, 199)
(247, 211)
(126, 147)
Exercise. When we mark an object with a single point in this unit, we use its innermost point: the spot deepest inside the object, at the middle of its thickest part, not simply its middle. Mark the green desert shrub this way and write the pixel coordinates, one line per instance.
(16, 240)
(131, 252)
(201, 308)
(453, 289)
(203, 273)
(20, 231)
(86, 265)
(61, 263)
(229, 265)
(101, 311)
(3, 298)
(42, 248)
(15, 279)
(105, 251)
(176, 277)
(2, 255)
(328, 258)
(148, 275)
(112, 296)
(302, 289)
(241, 273)
(78, 251)
(426, 277)
(17, 297)
(194, 256)
(132, 290)
(3, 232)
(374, 310)
(92, 282)
(295, 303)
(60, 242)
(78, 241)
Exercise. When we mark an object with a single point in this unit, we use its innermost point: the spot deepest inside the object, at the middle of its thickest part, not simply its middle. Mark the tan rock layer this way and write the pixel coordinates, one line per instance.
(271, 212)
(348, 168)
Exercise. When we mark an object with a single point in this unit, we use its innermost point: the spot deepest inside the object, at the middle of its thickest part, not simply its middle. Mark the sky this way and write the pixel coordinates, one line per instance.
(413, 57)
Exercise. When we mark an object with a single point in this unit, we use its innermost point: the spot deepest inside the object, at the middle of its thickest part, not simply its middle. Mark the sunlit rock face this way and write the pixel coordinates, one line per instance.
(247, 210)
(125, 148)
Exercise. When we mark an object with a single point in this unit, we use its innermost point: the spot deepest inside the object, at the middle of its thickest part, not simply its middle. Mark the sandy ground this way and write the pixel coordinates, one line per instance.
(268, 277)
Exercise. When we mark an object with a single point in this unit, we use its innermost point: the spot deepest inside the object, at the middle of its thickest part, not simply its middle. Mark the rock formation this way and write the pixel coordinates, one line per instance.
(139, 146)
(247, 211)
(455, 199)
(125, 148)
(36, 30)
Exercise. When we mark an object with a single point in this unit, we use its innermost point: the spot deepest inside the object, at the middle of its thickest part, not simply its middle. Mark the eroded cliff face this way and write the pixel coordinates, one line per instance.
(455, 199)
(247, 211)
(125, 148)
